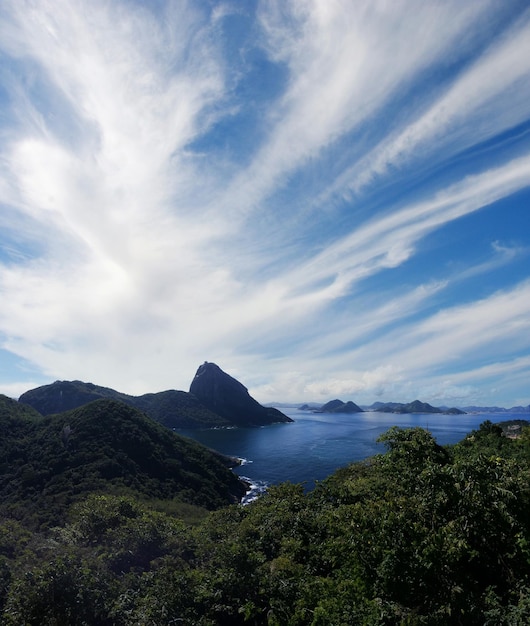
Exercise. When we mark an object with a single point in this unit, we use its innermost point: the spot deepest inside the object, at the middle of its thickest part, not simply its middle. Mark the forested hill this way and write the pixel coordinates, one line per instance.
(174, 409)
(48, 463)
(15, 418)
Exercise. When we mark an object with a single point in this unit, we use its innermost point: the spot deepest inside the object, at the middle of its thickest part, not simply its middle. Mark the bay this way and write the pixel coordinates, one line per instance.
(316, 444)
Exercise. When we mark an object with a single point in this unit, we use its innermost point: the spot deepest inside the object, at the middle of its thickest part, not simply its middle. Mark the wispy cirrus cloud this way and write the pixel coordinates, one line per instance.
(343, 67)
(444, 128)
(389, 240)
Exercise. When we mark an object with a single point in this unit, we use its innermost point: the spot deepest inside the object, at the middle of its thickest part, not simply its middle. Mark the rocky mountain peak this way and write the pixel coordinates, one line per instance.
(227, 397)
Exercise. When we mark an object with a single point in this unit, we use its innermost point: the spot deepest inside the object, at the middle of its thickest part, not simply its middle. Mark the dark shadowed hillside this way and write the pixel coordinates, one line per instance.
(63, 395)
(15, 417)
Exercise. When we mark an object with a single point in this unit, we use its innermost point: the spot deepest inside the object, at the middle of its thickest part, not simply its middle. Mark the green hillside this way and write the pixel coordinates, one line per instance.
(105, 446)
(15, 418)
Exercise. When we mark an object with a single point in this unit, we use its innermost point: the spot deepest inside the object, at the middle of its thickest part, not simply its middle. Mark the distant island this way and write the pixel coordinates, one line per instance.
(339, 406)
(413, 407)
(334, 406)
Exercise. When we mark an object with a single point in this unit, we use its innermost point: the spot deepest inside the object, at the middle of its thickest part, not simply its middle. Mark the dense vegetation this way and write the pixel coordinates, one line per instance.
(49, 463)
(419, 535)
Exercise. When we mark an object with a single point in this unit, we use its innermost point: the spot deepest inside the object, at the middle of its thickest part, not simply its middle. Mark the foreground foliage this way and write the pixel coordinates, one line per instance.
(419, 535)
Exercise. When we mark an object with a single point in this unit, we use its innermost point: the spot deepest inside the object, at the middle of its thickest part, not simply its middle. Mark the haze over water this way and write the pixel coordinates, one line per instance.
(316, 444)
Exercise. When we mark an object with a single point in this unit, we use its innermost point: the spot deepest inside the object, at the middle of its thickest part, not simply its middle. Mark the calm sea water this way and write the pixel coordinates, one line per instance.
(316, 444)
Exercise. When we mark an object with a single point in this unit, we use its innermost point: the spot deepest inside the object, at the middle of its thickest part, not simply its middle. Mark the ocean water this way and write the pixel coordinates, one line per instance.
(316, 444)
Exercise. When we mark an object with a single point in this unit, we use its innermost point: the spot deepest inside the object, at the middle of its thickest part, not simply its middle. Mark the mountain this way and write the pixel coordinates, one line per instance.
(228, 398)
(110, 447)
(396, 407)
(174, 409)
(63, 395)
(338, 406)
(179, 409)
(333, 406)
(377, 406)
(330, 406)
(519, 409)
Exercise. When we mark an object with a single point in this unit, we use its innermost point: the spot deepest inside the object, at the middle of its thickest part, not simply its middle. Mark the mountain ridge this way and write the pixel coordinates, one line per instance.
(172, 408)
(338, 406)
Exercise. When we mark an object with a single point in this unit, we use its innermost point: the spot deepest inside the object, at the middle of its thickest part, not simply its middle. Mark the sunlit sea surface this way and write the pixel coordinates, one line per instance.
(316, 444)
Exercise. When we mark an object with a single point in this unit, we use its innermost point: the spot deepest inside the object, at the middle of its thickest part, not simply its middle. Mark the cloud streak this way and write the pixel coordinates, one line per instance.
(494, 106)
(343, 66)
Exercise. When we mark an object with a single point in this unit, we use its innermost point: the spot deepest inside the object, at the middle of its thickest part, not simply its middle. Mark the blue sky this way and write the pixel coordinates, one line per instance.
(327, 198)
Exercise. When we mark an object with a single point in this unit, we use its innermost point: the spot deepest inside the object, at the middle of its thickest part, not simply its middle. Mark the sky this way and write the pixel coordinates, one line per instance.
(327, 198)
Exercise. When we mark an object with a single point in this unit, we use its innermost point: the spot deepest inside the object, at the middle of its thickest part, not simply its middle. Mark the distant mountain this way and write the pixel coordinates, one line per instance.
(337, 406)
(104, 446)
(412, 407)
(453, 411)
(497, 409)
(331, 406)
(174, 409)
(396, 407)
(377, 406)
(227, 397)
